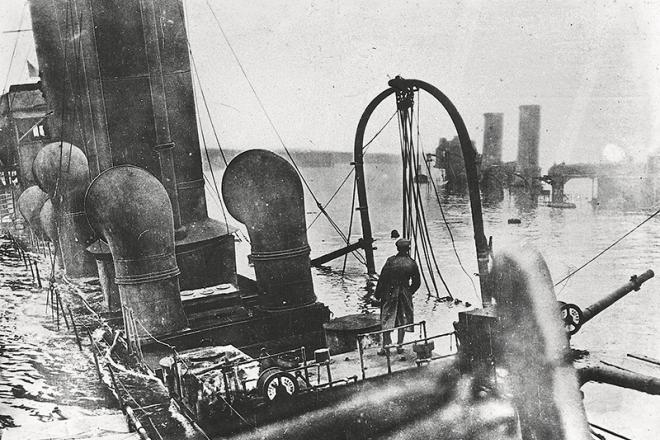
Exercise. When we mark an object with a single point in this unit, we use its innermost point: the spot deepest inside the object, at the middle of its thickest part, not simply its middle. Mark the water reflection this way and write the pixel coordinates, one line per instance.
(43, 375)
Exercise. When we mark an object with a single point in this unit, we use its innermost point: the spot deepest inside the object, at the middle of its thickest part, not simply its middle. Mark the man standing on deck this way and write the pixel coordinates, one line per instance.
(399, 280)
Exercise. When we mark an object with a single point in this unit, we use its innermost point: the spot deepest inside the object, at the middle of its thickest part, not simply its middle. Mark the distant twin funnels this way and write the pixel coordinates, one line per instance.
(495, 174)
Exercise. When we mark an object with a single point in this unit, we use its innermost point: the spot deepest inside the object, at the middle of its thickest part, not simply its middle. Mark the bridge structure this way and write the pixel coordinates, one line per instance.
(559, 174)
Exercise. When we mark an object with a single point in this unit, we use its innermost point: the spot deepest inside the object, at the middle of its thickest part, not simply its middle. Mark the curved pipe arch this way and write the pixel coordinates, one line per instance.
(131, 210)
(469, 156)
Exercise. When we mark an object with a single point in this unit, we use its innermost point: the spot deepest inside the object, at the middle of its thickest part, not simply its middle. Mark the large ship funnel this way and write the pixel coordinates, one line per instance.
(263, 191)
(131, 209)
(30, 203)
(60, 170)
(117, 76)
(528, 141)
(493, 127)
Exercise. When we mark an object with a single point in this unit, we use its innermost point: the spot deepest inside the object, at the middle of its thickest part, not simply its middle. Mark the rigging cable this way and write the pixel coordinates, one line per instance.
(418, 199)
(405, 190)
(415, 224)
(274, 128)
(13, 52)
(608, 247)
(67, 24)
(364, 149)
(451, 235)
(215, 183)
(206, 106)
(184, 18)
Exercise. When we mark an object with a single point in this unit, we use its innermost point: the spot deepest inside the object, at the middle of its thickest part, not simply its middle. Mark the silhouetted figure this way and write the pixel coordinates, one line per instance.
(399, 280)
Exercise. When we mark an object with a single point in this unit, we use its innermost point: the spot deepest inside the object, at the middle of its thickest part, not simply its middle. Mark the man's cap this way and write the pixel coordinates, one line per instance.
(394, 234)
(403, 244)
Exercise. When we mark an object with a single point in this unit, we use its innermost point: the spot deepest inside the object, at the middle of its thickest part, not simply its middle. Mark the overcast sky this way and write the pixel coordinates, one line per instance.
(593, 66)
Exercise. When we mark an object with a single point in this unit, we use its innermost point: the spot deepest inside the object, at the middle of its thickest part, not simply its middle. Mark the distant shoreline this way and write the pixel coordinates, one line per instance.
(308, 158)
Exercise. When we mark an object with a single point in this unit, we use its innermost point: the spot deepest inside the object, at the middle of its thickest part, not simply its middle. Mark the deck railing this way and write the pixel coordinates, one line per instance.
(423, 340)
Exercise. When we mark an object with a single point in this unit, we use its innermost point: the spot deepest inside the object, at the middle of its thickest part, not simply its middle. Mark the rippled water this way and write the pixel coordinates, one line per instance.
(43, 375)
(43, 367)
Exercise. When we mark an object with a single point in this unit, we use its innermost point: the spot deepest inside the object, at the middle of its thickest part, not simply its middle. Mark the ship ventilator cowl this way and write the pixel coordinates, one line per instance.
(30, 203)
(263, 191)
(131, 210)
(61, 171)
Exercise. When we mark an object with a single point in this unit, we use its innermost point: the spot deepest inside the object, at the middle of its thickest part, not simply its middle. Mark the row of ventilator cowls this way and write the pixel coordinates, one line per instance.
(122, 228)
(130, 210)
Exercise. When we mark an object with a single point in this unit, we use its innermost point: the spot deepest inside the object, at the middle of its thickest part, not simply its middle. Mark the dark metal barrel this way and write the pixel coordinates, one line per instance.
(634, 284)
(117, 74)
(263, 191)
(619, 377)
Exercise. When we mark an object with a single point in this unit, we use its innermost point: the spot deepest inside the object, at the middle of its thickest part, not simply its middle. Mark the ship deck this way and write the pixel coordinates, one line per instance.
(346, 366)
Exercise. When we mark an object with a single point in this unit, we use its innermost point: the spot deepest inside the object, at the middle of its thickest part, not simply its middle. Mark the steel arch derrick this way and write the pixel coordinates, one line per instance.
(404, 87)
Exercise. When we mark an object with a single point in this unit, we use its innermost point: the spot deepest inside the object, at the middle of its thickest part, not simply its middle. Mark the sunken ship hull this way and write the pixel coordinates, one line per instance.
(122, 188)
(129, 204)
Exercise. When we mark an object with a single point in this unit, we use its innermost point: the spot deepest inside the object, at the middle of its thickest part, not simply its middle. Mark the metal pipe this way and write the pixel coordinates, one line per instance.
(620, 378)
(164, 144)
(130, 208)
(263, 191)
(61, 171)
(136, 423)
(634, 284)
(30, 203)
(469, 157)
